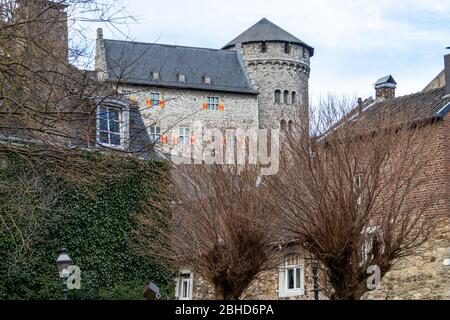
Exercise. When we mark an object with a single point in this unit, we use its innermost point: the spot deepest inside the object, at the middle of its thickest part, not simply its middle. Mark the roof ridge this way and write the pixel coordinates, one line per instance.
(169, 45)
(419, 93)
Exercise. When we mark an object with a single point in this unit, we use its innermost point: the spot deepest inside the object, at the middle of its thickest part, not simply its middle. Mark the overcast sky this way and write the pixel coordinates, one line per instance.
(356, 41)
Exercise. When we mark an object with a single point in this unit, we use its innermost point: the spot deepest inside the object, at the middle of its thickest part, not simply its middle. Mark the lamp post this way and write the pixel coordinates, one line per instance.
(63, 262)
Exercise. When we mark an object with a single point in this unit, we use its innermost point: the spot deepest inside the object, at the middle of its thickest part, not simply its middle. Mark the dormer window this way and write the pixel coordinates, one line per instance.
(206, 80)
(263, 47)
(155, 75)
(287, 48)
(181, 78)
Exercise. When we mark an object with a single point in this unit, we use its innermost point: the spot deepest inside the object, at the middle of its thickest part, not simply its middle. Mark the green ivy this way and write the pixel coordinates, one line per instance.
(94, 221)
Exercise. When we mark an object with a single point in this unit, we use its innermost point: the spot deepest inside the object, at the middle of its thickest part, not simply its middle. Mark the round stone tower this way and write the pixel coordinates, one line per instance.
(278, 65)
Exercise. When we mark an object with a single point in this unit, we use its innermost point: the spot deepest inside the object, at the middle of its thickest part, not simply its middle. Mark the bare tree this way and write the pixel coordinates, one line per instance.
(48, 106)
(347, 194)
(220, 227)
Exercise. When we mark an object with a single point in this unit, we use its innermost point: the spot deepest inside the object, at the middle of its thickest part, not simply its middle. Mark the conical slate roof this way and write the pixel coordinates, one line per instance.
(266, 31)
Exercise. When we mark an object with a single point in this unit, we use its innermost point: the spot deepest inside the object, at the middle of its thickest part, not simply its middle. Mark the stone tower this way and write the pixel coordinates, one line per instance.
(278, 65)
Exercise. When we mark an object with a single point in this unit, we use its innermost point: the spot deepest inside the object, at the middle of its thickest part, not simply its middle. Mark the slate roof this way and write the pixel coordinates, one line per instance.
(429, 105)
(135, 62)
(385, 80)
(266, 31)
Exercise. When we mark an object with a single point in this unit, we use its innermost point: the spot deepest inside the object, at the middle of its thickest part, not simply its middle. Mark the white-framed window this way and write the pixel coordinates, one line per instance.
(206, 80)
(213, 103)
(292, 277)
(184, 285)
(184, 136)
(371, 235)
(181, 78)
(112, 126)
(358, 180)
(155, 134)
(126, 92)
(155, 98)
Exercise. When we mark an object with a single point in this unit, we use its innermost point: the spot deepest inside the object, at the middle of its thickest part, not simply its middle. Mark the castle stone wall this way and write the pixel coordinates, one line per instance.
(277, 70)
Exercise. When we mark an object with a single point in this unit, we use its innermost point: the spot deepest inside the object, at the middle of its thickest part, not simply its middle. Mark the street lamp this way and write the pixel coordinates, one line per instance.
(63, 262)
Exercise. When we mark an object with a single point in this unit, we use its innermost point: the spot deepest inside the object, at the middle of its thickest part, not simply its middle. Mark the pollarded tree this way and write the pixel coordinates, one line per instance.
(348, 194)
(221, 227)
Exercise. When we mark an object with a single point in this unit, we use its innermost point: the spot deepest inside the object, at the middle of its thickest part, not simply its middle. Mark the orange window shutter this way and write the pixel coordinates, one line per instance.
(192, 140)
(221, 107)
(149, 102)
(175, 140)
(162, 103)
(205, 106)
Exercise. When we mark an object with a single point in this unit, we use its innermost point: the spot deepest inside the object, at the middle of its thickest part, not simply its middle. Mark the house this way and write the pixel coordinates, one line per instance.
(258, 80)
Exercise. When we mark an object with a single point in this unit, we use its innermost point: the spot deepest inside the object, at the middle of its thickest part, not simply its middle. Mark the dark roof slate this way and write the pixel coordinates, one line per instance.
(433, 104)
(135, 62)
(387, 79)
(266, 31)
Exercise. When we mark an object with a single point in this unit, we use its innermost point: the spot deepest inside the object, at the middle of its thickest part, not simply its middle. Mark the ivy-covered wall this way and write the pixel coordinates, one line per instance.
(93, 220)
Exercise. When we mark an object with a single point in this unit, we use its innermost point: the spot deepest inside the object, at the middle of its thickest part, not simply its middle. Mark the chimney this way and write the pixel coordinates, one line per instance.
(385, 88)
(100, 57)
(447, 73)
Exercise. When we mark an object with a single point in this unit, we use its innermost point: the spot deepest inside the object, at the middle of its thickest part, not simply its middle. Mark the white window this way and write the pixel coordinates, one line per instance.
(207, 80)
(126, 92)
(184, 285)
(155, 134)
(181, 78)
(371, 235)
(292, 277)
(155, 75)
(213, 103)
(112, 126)
(184, 136)
(358, 181)
(155, 98)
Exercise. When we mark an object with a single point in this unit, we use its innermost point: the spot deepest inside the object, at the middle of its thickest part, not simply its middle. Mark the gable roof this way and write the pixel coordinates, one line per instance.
(386, 80)
(266, 31)
(135, 62)
(421, 106)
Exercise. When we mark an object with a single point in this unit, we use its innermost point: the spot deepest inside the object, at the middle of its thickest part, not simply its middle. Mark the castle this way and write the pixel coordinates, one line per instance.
(258, 80)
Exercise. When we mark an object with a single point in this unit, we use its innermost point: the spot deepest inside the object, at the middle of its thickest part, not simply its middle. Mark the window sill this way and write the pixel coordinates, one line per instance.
(111, 146)
(290, 294)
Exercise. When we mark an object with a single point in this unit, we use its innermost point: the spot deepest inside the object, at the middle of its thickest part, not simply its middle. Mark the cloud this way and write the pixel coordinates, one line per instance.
(356, 41)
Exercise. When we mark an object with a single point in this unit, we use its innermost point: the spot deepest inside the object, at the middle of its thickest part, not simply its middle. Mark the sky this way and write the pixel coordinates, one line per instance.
(356, 42)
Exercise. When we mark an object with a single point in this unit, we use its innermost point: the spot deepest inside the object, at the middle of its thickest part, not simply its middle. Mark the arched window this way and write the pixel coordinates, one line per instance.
(294, 98)
(291, 125)
(286, 97)
(277, 96)
(283, 125)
